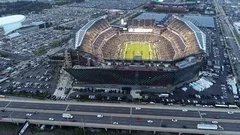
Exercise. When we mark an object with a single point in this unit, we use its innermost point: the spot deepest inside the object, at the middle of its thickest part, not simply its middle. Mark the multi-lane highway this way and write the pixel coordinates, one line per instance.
(229, 35)
(126, 115)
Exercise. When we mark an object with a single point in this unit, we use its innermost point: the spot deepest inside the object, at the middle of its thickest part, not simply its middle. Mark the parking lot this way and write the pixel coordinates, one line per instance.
(35, 76)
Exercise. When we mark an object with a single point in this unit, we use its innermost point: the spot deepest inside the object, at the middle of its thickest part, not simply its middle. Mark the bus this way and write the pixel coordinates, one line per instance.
(227, 106)
(233, 106)
(221, 106)
(207, 126)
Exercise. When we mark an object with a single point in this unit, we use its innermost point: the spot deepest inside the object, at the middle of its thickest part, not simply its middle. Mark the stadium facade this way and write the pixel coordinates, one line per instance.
(11, 23)
(99, 56)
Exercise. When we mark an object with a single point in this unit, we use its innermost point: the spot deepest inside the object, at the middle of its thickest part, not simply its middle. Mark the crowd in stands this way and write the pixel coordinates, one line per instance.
(100, 40)
(91, 34)
(165, 49)
(176, 42)
(186, 34)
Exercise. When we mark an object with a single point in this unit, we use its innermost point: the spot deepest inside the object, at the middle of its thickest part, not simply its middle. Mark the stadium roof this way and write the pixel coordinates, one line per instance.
(81, 33)
(201, 21)
(201, 37)
(11, 19)
(148, 15)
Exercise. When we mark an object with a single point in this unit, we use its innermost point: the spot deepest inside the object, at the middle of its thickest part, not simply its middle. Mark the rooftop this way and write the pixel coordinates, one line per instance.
(148, 15)
(201, 21)
(11, 19)
(201, 37)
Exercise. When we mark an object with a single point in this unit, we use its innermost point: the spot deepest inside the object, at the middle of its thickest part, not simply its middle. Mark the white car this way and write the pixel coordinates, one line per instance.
(230, 112)
(184, 110)
(28, 114)
(51, 119)
(150, 121)
(152, 103)
(214, 122)
(115, 123)
(138, 108)
(99, 116)
(174, 120)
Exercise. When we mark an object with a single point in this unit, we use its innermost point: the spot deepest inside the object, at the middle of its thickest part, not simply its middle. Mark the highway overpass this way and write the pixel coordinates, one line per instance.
(128, 116)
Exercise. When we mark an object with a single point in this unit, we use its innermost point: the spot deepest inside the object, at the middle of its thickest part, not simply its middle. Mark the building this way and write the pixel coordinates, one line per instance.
(1, 32)
(237, 27)
(11, 23)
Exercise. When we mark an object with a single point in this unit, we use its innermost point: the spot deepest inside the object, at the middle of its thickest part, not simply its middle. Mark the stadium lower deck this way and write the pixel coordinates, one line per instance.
(137, 50)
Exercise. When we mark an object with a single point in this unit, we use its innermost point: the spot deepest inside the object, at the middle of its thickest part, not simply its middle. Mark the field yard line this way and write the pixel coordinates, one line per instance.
(124, 53)
(150, 50)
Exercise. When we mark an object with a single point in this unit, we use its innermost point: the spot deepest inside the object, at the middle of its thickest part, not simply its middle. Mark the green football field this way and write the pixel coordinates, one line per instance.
(135, 49)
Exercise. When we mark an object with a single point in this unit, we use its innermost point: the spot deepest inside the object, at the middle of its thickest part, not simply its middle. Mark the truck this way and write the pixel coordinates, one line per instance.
(67, 116)
(207, 126)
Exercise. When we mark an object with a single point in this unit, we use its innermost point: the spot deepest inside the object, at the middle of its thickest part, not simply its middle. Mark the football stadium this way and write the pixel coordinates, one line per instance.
(142, 54)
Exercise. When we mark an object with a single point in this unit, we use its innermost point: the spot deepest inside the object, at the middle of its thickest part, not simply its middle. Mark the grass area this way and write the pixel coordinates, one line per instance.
(137, 49)
(37, 95)
(40, 51)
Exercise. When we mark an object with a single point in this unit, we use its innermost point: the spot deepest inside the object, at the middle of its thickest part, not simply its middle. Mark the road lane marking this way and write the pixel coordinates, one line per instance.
(8, 104)
(67, 108)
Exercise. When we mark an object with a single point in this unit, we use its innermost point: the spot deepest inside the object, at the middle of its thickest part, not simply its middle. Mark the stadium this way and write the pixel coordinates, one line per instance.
(142, 54)
(11, 23)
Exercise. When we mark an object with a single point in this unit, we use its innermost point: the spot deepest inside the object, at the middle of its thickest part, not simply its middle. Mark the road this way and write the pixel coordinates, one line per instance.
(125, 115)
(120, 120)
(228, 32)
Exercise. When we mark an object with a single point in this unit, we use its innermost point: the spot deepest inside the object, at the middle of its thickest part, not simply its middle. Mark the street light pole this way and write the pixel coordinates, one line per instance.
(111, 120)
(131, 111)
(83, 126)
(11, 116)
(160, 123)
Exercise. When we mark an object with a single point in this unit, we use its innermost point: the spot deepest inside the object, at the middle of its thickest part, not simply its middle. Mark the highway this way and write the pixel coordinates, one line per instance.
(228, 32)
(109, 120)
(131, 110)
(125, 114)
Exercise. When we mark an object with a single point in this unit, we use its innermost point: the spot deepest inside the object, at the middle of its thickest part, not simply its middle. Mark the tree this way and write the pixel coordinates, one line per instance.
(37, 93)
(98, 97)
(78, 131)
(163, 125)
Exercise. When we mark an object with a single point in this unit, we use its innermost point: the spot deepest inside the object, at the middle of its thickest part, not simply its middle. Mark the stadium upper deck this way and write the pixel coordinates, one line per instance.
(81, 33)
(179, 39)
